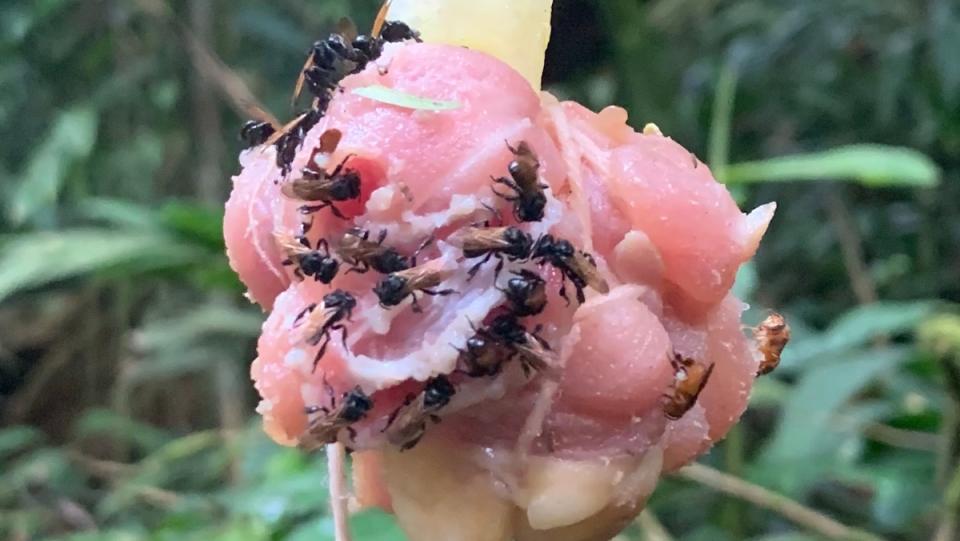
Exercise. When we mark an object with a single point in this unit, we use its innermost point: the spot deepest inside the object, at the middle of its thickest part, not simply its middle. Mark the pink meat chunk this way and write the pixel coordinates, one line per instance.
(665, 235)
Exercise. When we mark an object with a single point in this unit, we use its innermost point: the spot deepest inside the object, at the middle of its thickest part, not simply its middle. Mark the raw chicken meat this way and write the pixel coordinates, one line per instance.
(570, 451)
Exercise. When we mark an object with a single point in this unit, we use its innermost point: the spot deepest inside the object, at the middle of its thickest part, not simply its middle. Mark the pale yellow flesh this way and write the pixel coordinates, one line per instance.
(515, 31)
(440, 493)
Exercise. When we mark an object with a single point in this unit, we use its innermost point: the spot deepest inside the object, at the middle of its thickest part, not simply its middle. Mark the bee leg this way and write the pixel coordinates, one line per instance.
(380, 238)
(416, 304)
(322, 244)
(329, 390)
(321, 351)
(476, 268)
(423, 245)
(440, 293)
(563, 288)
(310, 209)
(499, 267)
(336, 212)
(298, 274)
(580, 296)
(304, 312)
(359, 269)
(343, 333)
(339, 167)
(305, 227)
(351, 434)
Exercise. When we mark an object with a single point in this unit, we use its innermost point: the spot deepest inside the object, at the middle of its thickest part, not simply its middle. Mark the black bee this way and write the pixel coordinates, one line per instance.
(484, 354)
(528, 348)
(325, 67)
(575, 265)
(306, 260)
(526, 293)
(315, 184)
(323, 320)
(528, 197)
(408, 423)
(393, 288)
(256, 132)
(324, 429)
(396, 31)
(499, 242)
(363, 254)
(288, 139)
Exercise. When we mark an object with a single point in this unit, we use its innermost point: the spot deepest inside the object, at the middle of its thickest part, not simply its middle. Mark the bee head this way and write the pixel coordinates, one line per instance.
(346, 186)
(437, 392)
(356, 404)
(391, 290)
(339, 299)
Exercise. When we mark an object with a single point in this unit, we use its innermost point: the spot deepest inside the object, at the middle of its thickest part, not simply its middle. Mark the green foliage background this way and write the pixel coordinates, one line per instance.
(125, 344)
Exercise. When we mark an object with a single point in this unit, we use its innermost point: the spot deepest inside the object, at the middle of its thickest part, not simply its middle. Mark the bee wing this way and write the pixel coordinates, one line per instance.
(381, 18)
(484, 238)
(588, 271)
(298, 87)
(347, 28)
(289, 244)
(284, 130)
(424, 276)
(258, 113)
(536, 356)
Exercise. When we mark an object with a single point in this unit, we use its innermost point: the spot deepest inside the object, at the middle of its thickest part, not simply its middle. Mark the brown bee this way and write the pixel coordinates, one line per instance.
(503, 340)
(316, 184)
(484, 354)
(690, 377)
(575, 265)
(393, 288)
(408, 423)
(526, 293)
(306, 260)
(337, 307)
(499, 242)
(363, 254)
(528, 197)
(772, 335)
(324, 429)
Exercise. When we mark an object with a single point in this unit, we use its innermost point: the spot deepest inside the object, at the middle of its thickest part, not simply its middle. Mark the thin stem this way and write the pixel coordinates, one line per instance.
(339, 499)
(851, 245)
(718, 149)
(653, 530)
(778, 503)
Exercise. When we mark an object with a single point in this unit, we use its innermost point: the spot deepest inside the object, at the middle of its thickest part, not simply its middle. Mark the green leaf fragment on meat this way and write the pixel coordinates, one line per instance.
(402, 99)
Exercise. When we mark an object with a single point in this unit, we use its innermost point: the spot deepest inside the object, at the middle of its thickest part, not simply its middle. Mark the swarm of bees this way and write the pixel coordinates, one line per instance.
(328, 62)
(321, 185)
(505, 339)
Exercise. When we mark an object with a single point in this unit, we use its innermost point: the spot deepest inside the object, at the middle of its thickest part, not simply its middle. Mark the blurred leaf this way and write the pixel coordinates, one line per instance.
(718, 151)
(105, 423)
(34, 259)
(118, 212)
(196, 223)
(402, 99)
(944, 43)
(376, 525)
(15, 439)
(71, 139)
(870, 165)
(191, 326)
(806, 431)
(854, 329)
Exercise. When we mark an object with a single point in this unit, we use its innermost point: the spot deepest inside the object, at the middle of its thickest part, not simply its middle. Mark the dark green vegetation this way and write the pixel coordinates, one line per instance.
(124, 342)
